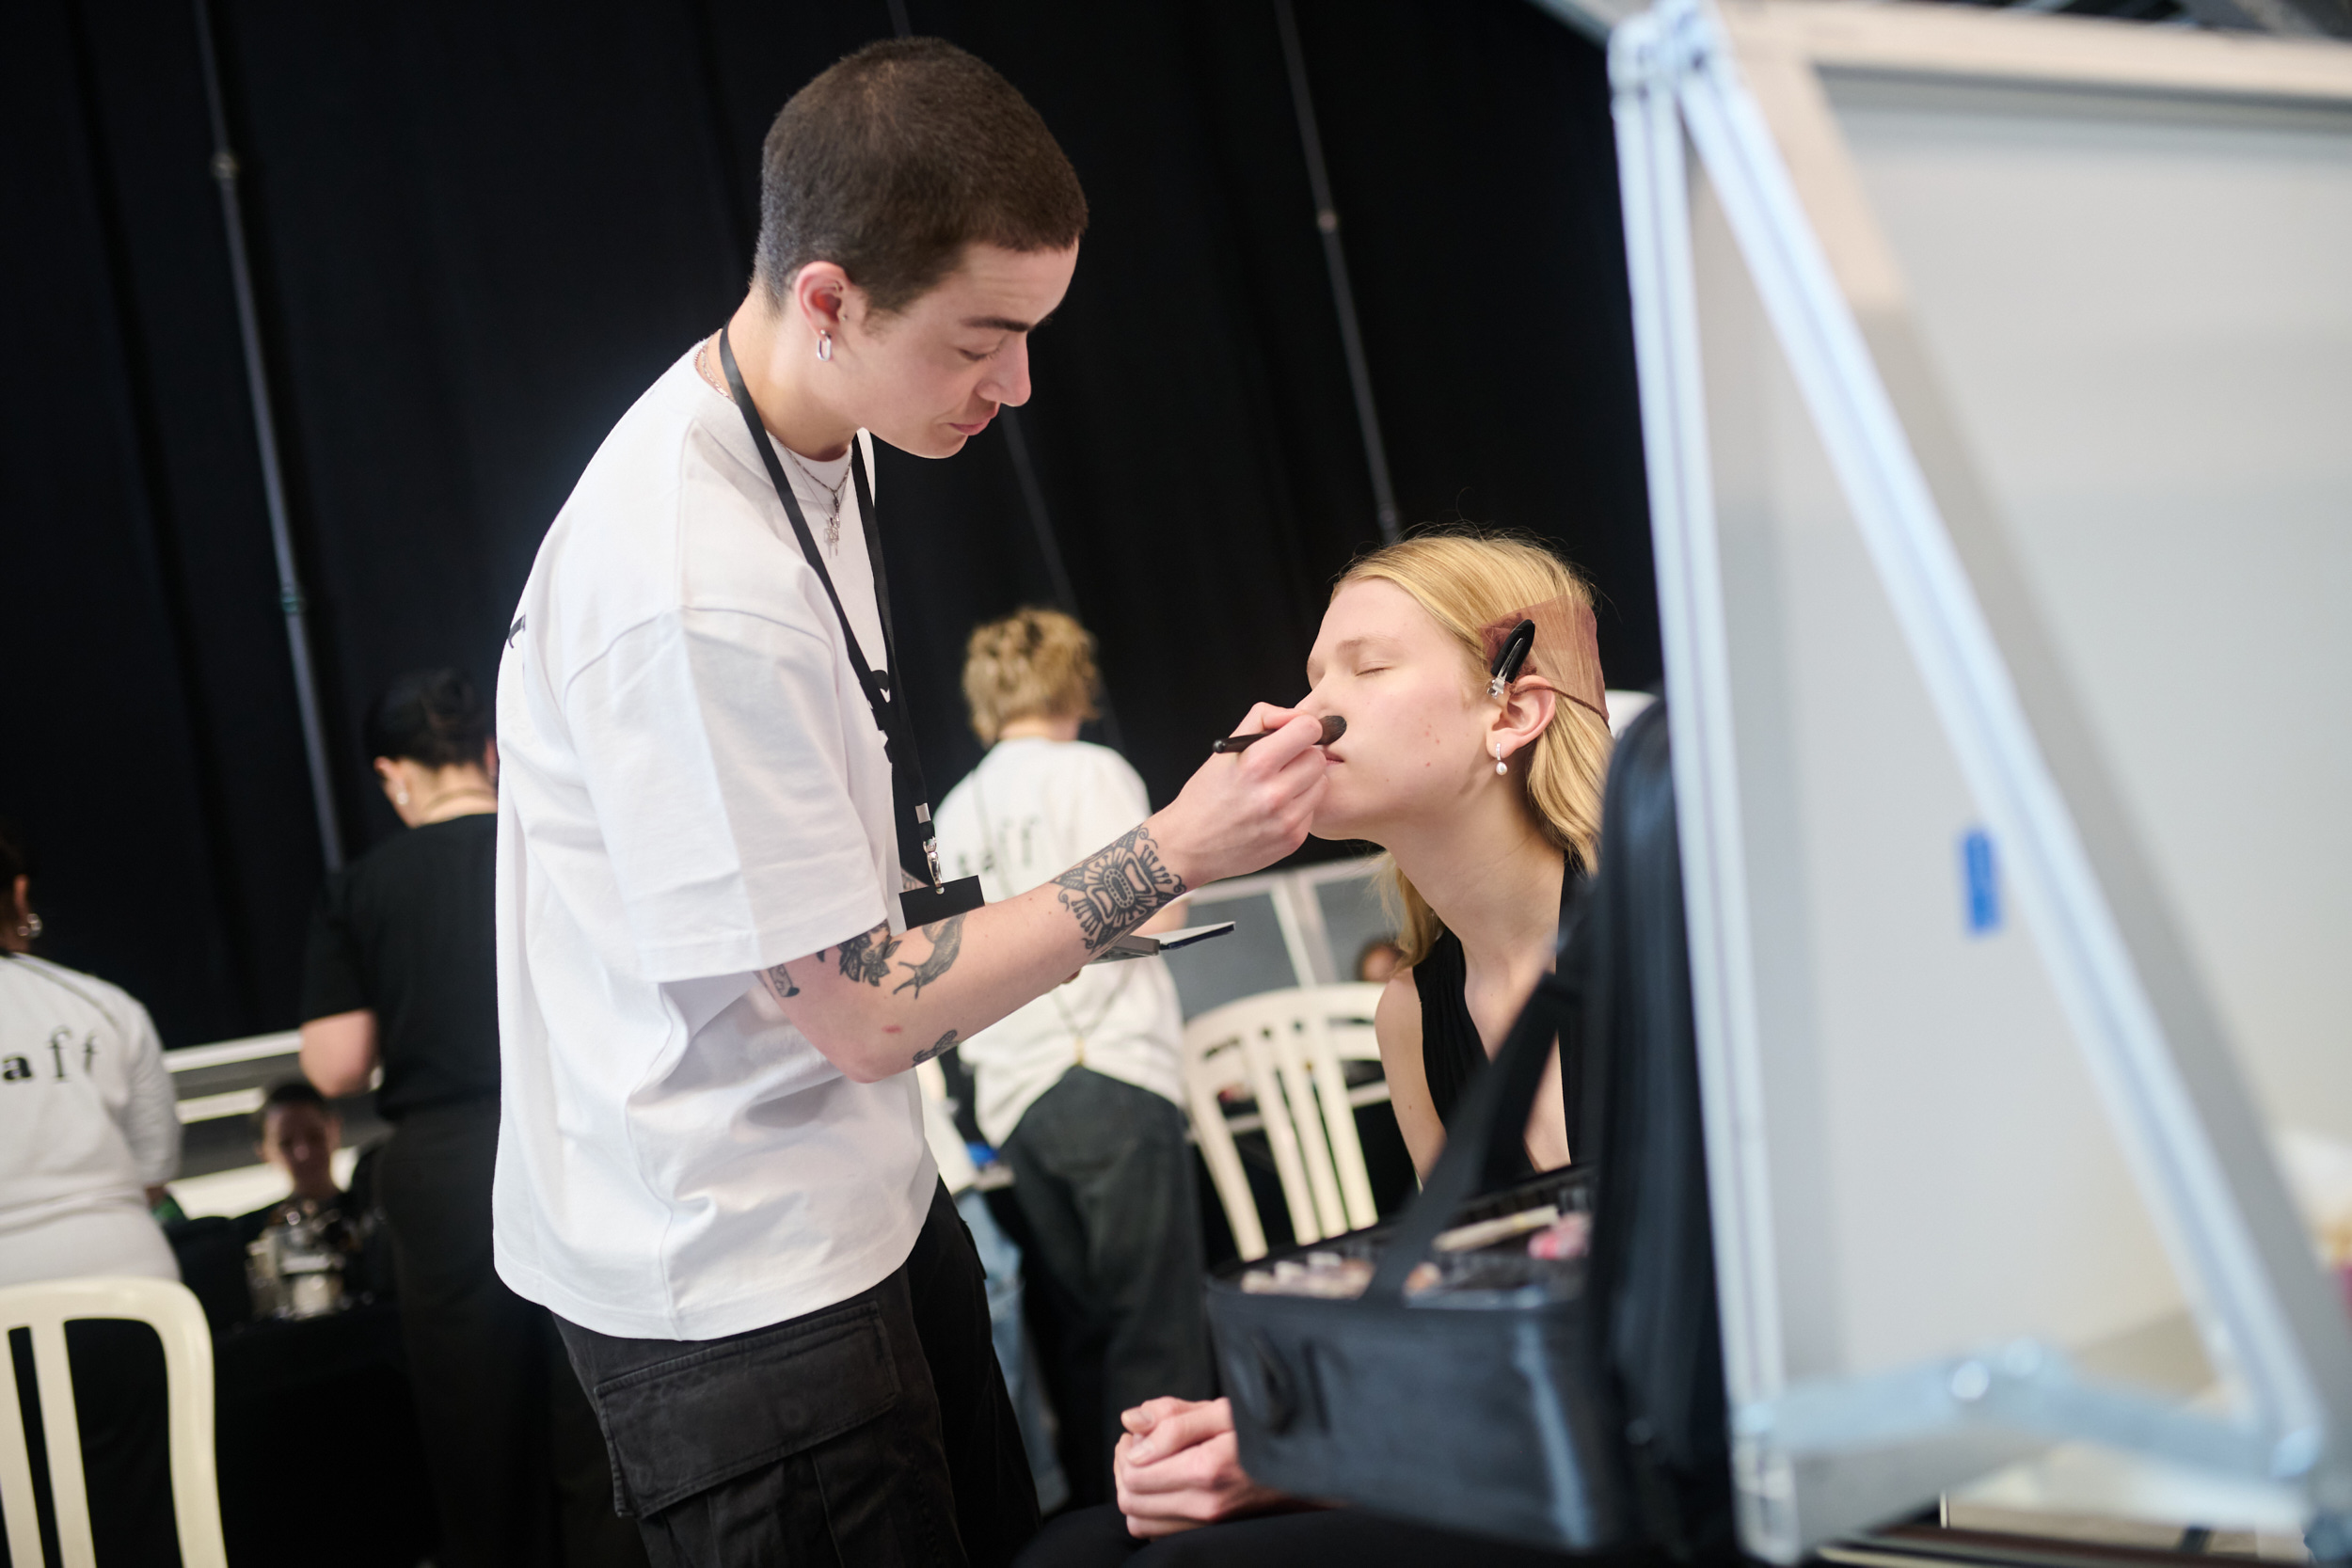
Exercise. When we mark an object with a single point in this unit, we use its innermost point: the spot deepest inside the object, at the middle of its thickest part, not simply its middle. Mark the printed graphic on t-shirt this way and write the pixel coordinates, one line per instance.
(62, 1049)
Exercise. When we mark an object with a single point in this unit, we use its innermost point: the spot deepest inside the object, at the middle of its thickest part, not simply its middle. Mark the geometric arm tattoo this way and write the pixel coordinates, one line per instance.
(1117, 889)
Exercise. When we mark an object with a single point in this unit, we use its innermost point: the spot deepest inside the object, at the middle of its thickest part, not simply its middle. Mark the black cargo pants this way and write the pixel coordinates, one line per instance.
(874, 1432)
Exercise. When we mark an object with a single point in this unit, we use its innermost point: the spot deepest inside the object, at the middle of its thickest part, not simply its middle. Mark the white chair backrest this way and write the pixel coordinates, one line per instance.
(1285, 1048)
(45, 1308)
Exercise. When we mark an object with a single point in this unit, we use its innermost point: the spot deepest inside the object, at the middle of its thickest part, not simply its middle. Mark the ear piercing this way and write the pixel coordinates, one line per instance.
(1500, 765)
(29, 928)
(400, 797)
(824, 345)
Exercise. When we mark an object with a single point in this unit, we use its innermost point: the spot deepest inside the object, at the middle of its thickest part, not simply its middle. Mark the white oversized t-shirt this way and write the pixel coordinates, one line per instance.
(87, 1122)
(692, 789)
(1030, 811)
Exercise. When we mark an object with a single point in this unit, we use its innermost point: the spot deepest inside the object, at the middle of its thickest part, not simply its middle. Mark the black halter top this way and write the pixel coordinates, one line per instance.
(1451, 1053)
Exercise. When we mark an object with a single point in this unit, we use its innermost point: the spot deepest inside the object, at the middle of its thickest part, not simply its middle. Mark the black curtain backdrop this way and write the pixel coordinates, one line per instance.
(480, 228)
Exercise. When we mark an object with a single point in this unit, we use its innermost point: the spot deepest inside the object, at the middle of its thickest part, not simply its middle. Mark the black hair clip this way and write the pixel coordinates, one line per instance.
(1505, 669)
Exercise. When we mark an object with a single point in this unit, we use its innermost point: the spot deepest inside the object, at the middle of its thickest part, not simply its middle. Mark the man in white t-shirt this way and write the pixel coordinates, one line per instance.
(712, 1163)
(1082, 1090)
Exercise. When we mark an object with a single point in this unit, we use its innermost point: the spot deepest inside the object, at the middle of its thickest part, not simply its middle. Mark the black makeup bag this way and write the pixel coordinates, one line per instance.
(1471, 1402)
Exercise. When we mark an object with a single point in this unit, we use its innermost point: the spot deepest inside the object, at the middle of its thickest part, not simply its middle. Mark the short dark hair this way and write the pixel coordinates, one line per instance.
(433, 717)
(898, 157)
(292, 1092)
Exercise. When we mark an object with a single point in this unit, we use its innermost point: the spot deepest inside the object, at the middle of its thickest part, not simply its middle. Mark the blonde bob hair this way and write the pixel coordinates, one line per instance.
(1034, 663)
(1467, 579)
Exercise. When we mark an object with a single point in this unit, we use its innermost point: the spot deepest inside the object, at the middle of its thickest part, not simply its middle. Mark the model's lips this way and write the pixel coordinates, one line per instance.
(970, 428)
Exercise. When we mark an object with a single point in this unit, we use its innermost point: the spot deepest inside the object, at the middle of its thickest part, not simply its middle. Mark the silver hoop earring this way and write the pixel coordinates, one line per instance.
(30, 928)
(1500, 765)
(824, 346)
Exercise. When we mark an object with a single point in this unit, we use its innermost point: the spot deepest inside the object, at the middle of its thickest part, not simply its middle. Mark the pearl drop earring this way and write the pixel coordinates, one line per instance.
(1500, 766)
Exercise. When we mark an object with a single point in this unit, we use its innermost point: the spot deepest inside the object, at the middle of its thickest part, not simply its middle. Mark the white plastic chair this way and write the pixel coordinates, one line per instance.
(1285, 1048)
(172, 1310)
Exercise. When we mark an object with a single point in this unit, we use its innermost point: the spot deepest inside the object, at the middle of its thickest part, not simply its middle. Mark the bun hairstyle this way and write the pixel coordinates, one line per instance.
(433, 718)
(1034, 663)
(1469, 580)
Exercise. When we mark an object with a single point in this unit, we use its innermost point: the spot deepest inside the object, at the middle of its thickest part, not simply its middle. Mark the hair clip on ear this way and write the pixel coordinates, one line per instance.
(1508, 659)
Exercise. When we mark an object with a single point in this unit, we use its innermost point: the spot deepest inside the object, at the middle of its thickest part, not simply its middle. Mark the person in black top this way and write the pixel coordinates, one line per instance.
(1485, 790)
(1487, 802)
(402, 974)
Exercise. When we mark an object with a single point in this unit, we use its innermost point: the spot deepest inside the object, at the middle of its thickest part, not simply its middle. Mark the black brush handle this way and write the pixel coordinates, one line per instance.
(1333, 727)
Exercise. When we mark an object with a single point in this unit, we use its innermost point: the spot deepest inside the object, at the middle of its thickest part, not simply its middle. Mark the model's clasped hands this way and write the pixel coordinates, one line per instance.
(1179, 1467)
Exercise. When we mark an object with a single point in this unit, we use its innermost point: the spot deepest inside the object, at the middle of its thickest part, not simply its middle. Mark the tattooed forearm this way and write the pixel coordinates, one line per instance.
(946, 941)
(867, 957)
(938, 1048)
(1117, 889)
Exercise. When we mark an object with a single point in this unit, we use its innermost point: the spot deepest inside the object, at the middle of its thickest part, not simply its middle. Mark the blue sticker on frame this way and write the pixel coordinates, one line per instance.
(1980, 882)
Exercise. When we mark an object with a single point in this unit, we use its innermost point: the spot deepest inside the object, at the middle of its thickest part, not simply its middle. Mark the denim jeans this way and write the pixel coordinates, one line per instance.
(1014, 1355)
(1106, 1181)
(874, 1432)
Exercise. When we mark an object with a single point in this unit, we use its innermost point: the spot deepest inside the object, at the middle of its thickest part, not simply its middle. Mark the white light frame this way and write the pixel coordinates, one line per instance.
(1742, 83)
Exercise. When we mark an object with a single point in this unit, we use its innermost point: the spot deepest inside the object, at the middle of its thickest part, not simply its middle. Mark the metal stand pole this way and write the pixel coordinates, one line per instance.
(1342, 296)
(290, 599)
(1033, 497)
(1048, 546)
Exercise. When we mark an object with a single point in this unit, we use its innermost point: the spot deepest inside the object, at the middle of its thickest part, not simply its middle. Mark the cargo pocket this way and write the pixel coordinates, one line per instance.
(684, 1425)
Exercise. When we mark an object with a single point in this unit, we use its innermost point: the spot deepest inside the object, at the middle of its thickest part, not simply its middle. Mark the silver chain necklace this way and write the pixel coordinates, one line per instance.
(833, 524)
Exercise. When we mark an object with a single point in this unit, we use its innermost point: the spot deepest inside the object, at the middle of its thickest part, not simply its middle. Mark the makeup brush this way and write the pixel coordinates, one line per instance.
(1333, 727)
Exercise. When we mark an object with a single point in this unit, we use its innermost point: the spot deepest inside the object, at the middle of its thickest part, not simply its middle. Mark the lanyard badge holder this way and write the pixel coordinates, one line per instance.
(931, 900)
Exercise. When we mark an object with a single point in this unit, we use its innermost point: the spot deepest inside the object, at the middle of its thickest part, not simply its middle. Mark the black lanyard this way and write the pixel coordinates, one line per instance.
(909, 799)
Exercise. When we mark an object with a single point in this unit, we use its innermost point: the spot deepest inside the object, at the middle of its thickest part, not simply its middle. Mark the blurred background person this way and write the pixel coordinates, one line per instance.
(89, 1132)
(1081, 1091)
(401, 973)
(1380, 959)
(298, 1131)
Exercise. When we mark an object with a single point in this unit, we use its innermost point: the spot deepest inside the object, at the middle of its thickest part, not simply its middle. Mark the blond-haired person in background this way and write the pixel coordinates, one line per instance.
(1081, 1090)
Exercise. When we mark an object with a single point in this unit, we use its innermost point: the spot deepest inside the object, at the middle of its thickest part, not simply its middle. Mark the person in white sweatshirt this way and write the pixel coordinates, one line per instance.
(88, 1134)
(1081, 1090)
(88, 1129)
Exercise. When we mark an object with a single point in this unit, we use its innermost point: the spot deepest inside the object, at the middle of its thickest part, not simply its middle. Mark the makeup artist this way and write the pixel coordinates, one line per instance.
(722, 941)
